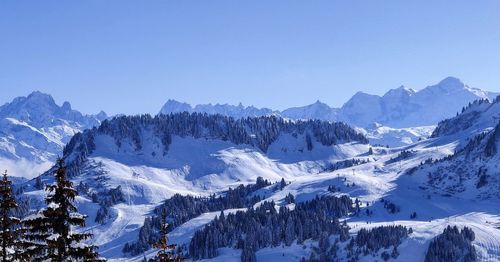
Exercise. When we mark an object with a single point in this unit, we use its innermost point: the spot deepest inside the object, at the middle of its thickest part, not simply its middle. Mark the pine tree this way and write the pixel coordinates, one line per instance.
(9, 224)
(49, 234)
(167, 251)
(282, 183)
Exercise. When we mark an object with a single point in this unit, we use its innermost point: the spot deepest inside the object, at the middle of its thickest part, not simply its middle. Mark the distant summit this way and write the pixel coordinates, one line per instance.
(40, 109)
(35, 129)
(239, 111)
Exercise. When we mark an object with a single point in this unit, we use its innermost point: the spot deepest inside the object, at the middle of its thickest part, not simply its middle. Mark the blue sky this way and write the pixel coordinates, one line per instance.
(131, 56)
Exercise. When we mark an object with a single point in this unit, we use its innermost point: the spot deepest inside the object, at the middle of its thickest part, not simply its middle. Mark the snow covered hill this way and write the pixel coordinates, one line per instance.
(34, 130)
(130, 164)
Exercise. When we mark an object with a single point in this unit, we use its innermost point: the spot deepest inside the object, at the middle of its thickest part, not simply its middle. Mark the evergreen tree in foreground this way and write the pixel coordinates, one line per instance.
(9, 224)
(49, 234)
(167, 251)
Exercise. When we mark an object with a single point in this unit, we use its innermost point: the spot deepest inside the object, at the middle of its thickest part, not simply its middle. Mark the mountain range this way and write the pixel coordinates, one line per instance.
(34, 128)
(400, 117)
(398, 108)
(208, 164)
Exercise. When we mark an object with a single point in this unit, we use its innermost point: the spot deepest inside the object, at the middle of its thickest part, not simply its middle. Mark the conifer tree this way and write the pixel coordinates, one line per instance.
(49, 235)
(9, 224)
(167, 251)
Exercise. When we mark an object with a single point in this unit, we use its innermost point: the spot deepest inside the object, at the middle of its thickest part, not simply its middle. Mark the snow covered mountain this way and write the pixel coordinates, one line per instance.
(317, 110)
(34, 130)
(398, 108)
(403, 107)
(397, 118)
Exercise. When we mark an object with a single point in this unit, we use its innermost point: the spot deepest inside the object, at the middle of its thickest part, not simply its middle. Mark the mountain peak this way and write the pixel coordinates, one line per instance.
(451, 83)
(40, 98)
(402, 90)
(319, 103)
(101, 115)
(174, 106)
(66, 106)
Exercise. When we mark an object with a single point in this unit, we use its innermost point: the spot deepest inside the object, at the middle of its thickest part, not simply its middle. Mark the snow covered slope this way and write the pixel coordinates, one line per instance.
(474, 119)
(34, 130)
(131, 164)
(473, 169)
(396, 137)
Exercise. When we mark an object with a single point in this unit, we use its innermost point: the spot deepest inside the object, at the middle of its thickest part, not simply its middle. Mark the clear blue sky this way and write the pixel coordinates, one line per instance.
(131, 56)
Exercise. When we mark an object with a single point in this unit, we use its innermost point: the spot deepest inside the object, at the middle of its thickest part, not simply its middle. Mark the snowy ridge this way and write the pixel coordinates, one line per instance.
(239, 111)
(476, 117)
(472, 171)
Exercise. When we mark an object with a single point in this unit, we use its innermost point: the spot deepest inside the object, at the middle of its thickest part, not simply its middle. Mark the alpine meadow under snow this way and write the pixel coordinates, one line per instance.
(407, 176)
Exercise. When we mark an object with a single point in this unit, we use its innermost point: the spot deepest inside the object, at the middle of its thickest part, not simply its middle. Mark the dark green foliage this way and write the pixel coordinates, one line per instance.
(9, 224)
(289, 199)
(491, 147)
(49, 234)
(309, 142)
(381, 237)
(248, 253)
(282, 183)
(264, 226)
(102, 215)
(390, 206)
(405, 154)
(345, 164)
(371, 241)
(452, 245)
